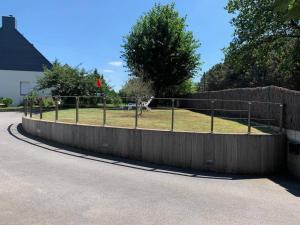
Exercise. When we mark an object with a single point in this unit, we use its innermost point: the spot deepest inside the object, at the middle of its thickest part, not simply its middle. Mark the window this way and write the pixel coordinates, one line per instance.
(24, 87)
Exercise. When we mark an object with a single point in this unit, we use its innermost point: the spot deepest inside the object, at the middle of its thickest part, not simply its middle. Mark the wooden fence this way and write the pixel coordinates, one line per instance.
(289, 98)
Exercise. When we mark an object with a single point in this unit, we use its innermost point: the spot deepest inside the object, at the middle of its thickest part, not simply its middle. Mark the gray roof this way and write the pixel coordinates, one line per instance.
(16, 52)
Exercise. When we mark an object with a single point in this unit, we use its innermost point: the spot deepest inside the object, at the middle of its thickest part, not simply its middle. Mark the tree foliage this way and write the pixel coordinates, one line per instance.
(64, 80)
(290, 8)
(159, 49)
(257, 22)
(186, 87)
(264, 51)
(6, 101)
(136, 87)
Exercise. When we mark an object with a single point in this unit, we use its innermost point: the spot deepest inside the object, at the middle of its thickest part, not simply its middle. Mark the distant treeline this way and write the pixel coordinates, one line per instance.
(265, 49)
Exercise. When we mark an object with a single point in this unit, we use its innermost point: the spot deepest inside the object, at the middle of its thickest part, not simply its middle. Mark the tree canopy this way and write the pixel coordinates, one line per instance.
(136, 87)
(65, 80)
(159, 49)
(264, 51)
(290, 8)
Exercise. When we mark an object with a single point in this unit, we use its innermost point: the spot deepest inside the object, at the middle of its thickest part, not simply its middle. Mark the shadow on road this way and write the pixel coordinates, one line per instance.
(290, 184)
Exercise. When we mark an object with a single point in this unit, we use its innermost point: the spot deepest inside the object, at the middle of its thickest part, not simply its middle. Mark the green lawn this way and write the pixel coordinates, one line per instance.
(185, 120)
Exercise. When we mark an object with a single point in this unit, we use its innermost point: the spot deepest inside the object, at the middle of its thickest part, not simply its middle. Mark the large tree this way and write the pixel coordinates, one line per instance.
(264, 42)
(264, 50)
(161, 50)
(257, 22)
(290, 8)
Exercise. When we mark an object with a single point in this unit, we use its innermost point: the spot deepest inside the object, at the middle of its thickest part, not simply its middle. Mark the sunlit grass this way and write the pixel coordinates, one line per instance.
(185, 120)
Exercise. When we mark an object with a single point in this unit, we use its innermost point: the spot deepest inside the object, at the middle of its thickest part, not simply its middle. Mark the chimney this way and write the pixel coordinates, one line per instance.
(8, 22)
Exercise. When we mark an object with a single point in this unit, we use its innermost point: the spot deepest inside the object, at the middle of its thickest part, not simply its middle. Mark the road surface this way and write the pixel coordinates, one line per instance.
(47, 184)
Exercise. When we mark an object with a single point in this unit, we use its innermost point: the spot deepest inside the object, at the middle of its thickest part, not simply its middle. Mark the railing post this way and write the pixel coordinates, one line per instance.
(56, 109)
(212, 116)
(104, 110)
(31, 103)
(249, 117)
(281, 118)
(136, 112)
(25, 106)
(77, 110)
(173, 105)
(41, 108)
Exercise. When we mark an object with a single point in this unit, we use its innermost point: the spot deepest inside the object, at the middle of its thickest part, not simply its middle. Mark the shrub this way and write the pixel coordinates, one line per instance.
(48, 102)
(116, 100)
(136, 87)
(6, 101)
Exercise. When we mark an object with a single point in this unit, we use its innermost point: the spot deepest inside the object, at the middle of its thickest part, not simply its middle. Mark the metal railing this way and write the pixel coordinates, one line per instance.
(250, 114)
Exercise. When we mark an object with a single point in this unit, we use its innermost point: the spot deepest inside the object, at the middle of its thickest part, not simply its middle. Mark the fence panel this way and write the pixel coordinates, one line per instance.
(272, 94)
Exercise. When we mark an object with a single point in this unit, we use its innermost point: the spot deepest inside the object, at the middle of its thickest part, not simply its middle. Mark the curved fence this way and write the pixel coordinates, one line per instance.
(175, 114)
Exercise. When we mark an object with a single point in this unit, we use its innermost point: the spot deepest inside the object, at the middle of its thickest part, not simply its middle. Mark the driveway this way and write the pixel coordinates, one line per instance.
(49, 184)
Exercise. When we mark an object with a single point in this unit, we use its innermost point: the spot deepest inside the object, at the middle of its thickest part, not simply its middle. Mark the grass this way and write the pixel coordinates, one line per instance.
(185, 120)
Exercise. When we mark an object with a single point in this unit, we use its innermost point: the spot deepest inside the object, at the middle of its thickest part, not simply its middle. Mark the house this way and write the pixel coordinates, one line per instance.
(20, 62)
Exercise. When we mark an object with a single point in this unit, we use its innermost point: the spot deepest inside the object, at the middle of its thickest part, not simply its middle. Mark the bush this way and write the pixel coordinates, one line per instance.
(136, 87)
(33, 98)
(6, 101)
(48, 102)
(114, 98)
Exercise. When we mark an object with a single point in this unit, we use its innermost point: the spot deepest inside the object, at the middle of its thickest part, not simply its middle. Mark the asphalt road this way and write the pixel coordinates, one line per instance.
(47, 184)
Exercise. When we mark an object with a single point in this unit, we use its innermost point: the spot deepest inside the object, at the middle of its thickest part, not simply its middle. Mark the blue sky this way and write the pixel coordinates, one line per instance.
(89, 32)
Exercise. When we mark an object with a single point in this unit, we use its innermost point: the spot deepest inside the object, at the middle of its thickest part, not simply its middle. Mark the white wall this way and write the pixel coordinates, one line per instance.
(10, 83)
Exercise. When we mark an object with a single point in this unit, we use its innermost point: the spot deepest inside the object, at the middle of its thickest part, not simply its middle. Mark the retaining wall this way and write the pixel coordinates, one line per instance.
(228, 153)
(289, 98)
